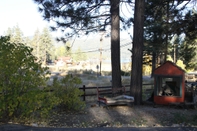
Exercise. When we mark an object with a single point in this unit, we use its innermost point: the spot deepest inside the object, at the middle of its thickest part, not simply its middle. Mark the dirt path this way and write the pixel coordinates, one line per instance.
(125, 116)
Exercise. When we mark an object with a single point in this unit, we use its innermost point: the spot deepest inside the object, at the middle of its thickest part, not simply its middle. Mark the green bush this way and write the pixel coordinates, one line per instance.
(68, 93)
(21, 83)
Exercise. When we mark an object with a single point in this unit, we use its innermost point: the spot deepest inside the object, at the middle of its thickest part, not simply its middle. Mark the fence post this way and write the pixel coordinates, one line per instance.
(84, 93)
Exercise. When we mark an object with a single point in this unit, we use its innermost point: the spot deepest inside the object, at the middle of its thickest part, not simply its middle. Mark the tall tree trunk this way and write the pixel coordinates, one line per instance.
(136, 73)
(115, 44)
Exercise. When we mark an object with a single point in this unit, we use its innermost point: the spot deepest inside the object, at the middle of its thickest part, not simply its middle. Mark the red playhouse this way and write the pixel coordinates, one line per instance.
(169, 84)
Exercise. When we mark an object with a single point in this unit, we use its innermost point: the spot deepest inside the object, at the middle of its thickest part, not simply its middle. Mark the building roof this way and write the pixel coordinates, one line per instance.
(169, 68)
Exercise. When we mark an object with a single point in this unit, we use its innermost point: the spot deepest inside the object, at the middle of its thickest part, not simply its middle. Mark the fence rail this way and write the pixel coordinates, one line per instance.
(86, 91)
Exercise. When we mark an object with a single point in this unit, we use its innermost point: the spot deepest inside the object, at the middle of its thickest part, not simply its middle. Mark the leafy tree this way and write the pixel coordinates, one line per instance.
(79, 55)
(180, 64)
(64, 50)
(61, 50)
(21, 83)
(169, 58)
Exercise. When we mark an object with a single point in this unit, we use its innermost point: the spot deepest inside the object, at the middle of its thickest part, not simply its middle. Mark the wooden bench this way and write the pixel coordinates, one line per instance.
(114, 96)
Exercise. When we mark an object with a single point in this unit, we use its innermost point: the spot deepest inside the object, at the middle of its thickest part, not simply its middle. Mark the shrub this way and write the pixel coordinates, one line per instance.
(21, 83)
(67, 91)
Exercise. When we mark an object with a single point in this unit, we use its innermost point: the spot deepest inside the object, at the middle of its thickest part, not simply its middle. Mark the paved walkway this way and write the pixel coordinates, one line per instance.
(10, 127)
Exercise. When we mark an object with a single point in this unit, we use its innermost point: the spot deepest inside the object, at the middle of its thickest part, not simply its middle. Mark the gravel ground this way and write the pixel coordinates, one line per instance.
(125, 116)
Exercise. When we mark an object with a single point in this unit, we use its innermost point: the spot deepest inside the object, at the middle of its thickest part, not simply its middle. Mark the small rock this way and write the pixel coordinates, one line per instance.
(175, 125)
(34, 124)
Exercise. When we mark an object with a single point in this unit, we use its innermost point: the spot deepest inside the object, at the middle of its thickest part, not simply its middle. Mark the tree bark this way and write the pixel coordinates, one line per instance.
(167, 34)
(137, 52)
(115, 44)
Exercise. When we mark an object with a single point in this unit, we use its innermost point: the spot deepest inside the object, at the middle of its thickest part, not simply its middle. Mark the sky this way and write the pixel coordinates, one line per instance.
(23, 13)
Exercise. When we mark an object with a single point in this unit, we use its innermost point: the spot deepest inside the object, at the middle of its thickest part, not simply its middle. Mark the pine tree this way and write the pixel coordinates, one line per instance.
(85, 16)
(35, 44)
(42, 44)
(46, 43)
(16, 35)
(188, 47)
(164, 20)
(137, 52)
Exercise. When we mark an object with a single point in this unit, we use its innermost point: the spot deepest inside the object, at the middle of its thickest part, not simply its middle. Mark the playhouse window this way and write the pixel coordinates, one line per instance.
(168, 86)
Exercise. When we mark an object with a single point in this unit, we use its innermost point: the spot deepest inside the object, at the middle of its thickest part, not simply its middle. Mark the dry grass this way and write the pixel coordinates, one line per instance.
(92, 79)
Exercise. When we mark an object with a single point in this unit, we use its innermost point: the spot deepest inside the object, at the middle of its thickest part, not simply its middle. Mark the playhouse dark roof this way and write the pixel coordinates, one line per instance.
(169, 68)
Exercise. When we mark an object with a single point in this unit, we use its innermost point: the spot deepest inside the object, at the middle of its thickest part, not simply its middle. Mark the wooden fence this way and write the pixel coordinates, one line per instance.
(147, 88)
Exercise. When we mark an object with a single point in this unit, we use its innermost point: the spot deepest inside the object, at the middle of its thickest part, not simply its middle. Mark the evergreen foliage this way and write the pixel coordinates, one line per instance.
(79, 55)
(164, 21)
(42, 44)
(16, 35)
(79, 17)
(189, 44)
(46, 45)
(35, 44)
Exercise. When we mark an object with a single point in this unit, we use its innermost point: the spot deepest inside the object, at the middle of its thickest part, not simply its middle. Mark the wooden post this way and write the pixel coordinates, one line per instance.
(84, 93)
